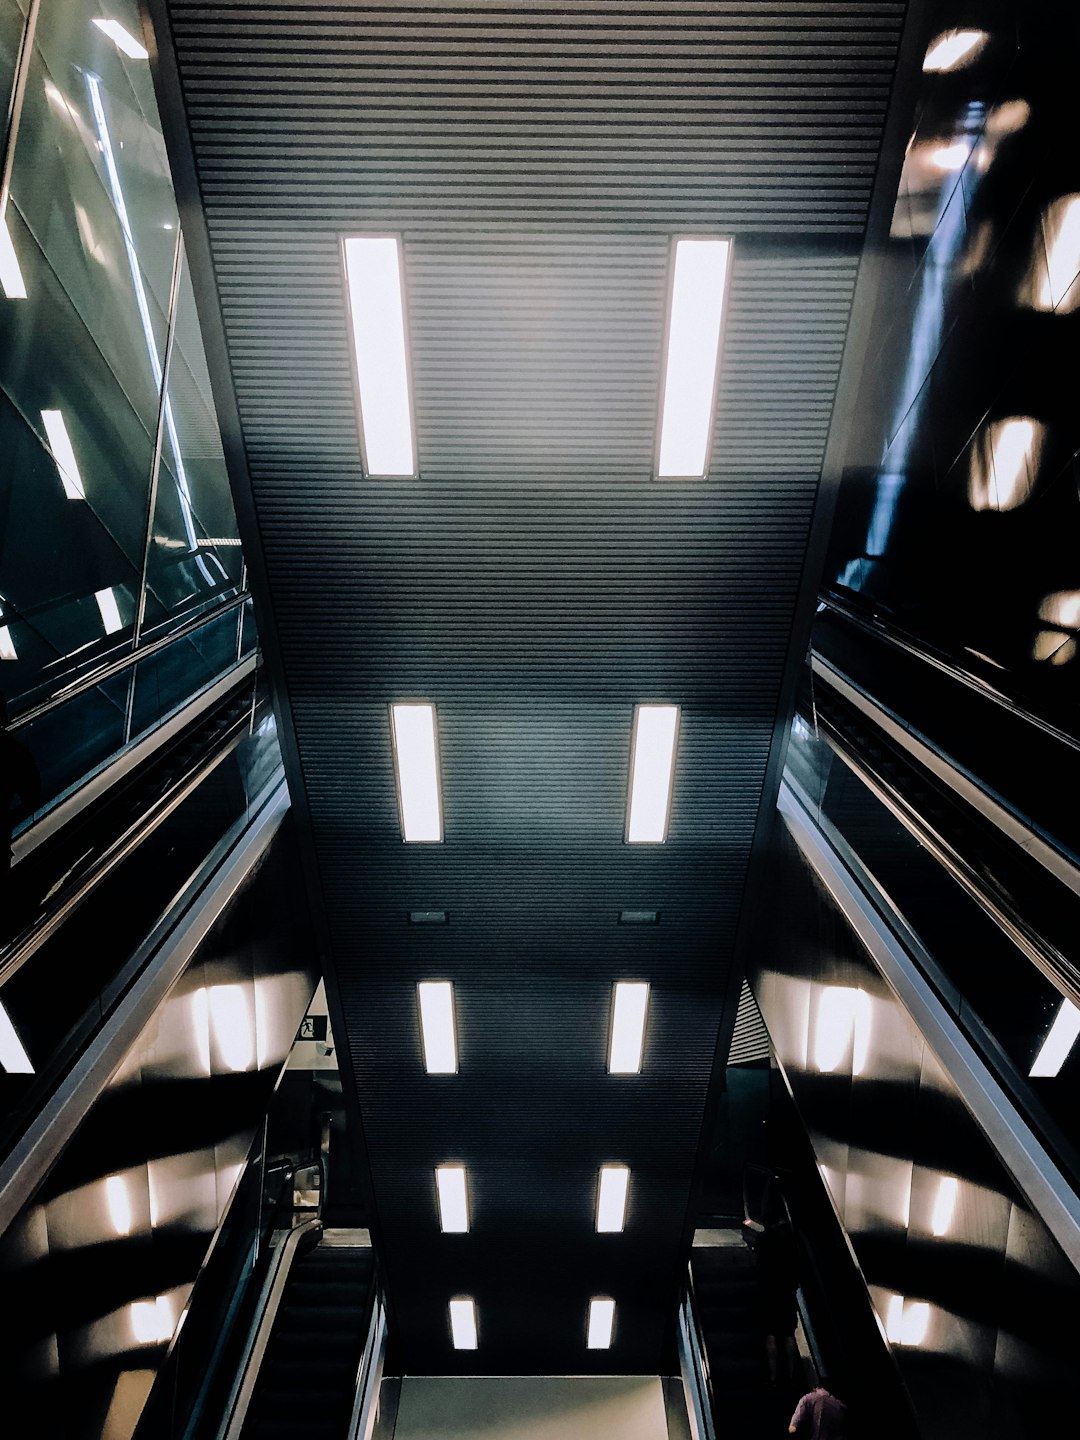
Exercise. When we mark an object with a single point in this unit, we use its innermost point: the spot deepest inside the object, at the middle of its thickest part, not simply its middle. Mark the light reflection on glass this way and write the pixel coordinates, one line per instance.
(233, 1026)
(1054, 646)
(7, 644)
(152, 1321)
(952, 49)
(1057, 289)
(907, 1322)
(950, 158)
(1059, 1042)
(11, 276)
(1062, 608)
(1005, 463)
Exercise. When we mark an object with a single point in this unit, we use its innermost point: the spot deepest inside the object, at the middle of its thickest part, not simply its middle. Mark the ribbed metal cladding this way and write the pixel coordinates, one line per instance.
(750, 1038)
(535, 581)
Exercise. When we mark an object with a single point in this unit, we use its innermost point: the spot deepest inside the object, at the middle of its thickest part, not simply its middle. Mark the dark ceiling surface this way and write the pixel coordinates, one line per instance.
(535, 582)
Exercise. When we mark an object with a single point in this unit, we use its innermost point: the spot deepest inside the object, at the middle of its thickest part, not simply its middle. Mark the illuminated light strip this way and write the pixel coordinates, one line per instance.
(1055, 1049)
(123, 39)
(63, 454)
(453, 1199)
(463, 1323)
(611, 1199)
(416, 763)
(110, 611)
(373, 271)
(652, 770)
(601, 1323)
(11, 276)
(13, 1056)
(630, 1006)
(437, 1031)
(692, 362)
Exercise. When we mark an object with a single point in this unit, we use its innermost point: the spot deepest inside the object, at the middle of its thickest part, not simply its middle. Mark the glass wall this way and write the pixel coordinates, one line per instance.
(116, 521)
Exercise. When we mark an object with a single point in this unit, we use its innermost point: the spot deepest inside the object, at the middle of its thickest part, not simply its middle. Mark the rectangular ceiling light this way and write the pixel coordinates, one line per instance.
(628, 1012)
(651, 767)
(377, 311)
(13, 1056)
(698, 287)
(437, 1026)
(123, 39)
(1054, 1050)
(110, 611)
(11, 276)
(601, 1323)
(63, 454)
(453, 1199)
(463, 1323)
(611, 1199)
(417, 764)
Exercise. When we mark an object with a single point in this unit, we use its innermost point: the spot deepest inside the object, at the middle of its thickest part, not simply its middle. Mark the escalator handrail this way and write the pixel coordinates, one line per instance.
(776, 1182)
(273, 1290)
(369, 1373)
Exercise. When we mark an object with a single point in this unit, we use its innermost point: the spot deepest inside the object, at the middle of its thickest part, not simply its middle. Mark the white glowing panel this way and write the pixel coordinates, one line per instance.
(843, 1019)
(13, 1056)
(437, 1030)
(11, 276)
(233, 1026)
(611, 1199)
(1061, 227)
(63, 455)
(952, 49)
(453, 1199)
(601, 1323)
(944, 1206)
(463, 1323)
(1005, 463)
(698, 288)
(7, 644)
(109, 610)
(651, 770)
(152, 1321)
(950, 158)
(416, 762)
(907, 1322)
(377, 310)
(122, 39)
(118, 1203)
(628, 1013)
(1055, 1049)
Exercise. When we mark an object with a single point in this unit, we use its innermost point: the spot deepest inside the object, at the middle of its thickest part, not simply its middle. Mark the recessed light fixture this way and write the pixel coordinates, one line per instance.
(63, 454)
(691, 364)
(629, 1008)
(463, 1323)
(601, 1323)
(953, 48)
(651, 768)
(437, 1029)
(453, 1199)
(1059, 1041)
(11, 276)
(123, 39)
(13, 1056)
(373, 269)
(639, 917)
(611, 1199)
(429, 917)
(416, 762)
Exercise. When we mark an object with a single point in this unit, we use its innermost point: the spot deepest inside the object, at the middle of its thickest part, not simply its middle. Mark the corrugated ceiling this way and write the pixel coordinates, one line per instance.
(535, 582)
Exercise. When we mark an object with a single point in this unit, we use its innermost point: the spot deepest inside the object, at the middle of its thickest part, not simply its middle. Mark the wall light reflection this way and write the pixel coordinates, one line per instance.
(1052, 286)
(1059, 1042)
(944, 1206)
(119, 1204)
(1005, 463)
(152, 1321)
(952, 49)
(843, 1019)
(233, 1026)
(907, 1322)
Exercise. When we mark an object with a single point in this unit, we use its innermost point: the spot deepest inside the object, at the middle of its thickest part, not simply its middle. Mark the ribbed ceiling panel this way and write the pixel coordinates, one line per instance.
(535, 581)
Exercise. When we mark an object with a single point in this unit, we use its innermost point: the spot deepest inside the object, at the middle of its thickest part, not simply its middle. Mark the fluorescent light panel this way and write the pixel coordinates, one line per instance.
(453, 1199)
(7, 644)
(123, 39)
(611, 1199)
(651, 772)
(698, 289)
(437, 1026)
(109, 610)
(416, 763)
(463, 1323)
(601, 1323)
(13, 1056)
(628, 1012)
(63, 454)
(11, 276)
(377, 309)
(1055, 1049)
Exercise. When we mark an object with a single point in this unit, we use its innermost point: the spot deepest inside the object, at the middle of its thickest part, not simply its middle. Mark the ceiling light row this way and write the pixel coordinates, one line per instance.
(464, 1330)
(648, 802)
(438, 1026)
(374, 272)
(452, 1189)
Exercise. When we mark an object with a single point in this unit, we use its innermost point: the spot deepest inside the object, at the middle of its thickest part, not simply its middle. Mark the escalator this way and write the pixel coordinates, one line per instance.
(725, 1284)
(307, 1379)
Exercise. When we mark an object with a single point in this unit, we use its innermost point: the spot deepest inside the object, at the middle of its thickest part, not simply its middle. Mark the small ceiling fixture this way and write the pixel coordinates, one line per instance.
(463, 1323)
(601, 1323)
